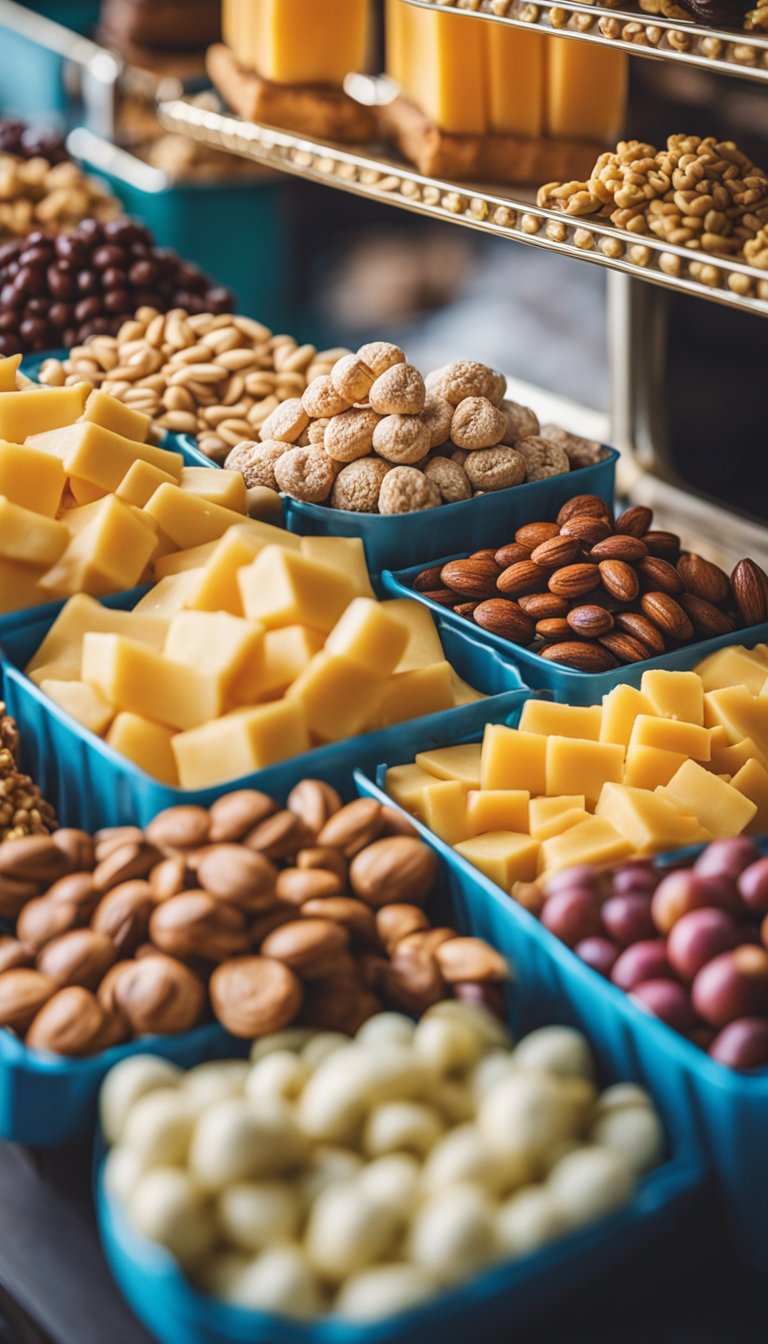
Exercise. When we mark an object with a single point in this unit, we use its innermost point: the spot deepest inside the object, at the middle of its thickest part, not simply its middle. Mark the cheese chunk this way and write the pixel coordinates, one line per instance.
(368, 635)
(515, 75)
(337, 696)
(109, 554)
(97, 455)
(169, 596)
(240, 743)
(460, 762)
(226, 648)
(9, 367)
(573, 765)
(593, 841)
(83, 702)
(741, 714)
(298, 41)
(410, 695)
(188, 520)
(463, 693)
(497, 810)
(730, 758)
(226, 488)
(423, 647)
(28, 536)
(285, 655)
(147, 744)
(719, 807)
(562, 822)
(140, 483)
(345, 553)
(133, 677)
(114, 415)
(282, 587)
(84, 492)
(553, 719)
(32, 479)
(671, 735)
(37, 409)
(648, 821)
(586, 90)
(217, 587)
(443, 70)
(503, 856)
(406, 784)
(647, 767)
(676, 695)
(63, 645)
(752, 781)
(444, 804)
(735, 666)
(20, 587)
(512, 759)
(545, 813)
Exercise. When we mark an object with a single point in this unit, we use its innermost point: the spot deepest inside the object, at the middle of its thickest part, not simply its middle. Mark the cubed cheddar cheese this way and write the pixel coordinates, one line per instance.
(189, 520)
(285, 655)
(147, 744)
(294, 43)
(32, 479)
(735, 666)
(728, 759)
(63, 645)
(37, 409)
(368, 635)
(503, 856)
(107, 411)
(140, 483)
(553, 719)
(345, 553)
(194, 557)
(648, 766)
(671, 735)
(225, 648)
(649, 821)
(226, 488)
(133, 677)
(444, 809)
(593, 841)
(82, 701)
(240, 743)
(674, 695)
(409, 695)
(546, 813)
(217, 587)
(109, 554)
(28, 536)
(741, 714)
(423, 647)
(497, 810)
(94, 454)
(461, 762)
(563, 821)
(9, 367)
(84, 492)
(719, 807)
(282, 587)
(463, 693)
(336, 695)
(168, 597)
(406, 784)
(574, 765)
(752, 781)
(512, 759)
(20, 587)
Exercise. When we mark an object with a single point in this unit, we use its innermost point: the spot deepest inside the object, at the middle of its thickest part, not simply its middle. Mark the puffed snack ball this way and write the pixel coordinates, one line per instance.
(589, 1183)
(404, 489)
(126, 1083)
(358, 485)
(166, 1205)
(305, 473)
(348, 1230)
(238, 1139)
(383, 1290)
(453, 1233)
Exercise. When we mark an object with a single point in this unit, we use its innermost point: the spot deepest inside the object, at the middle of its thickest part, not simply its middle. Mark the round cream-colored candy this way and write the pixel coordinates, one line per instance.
(167, 1207)
(279, 1280)
(589, 1183)
(385, 1290)
(238, 1139)
(622, 1094)
(292, 1038)
(279, 1076)
(320, 1045)
(326, 1166)
(476, 424)
(453, 1100)
(450, 478)
(635, 1132)
(399, 391)
(491, 1032)
(407, 490)
(526, 1113)
(306, 474)
(393, 1180)
(129, 1080)
(386, 1027)
(348, 1230)
(401, 439)
(453, 1233)
(448, 1044)
(398, 1072)
(352, 377)
(380, 356)
(401, 1126)
(122, 1169)
(211, 1082)
(158, 1127)
(561, 1051)
(255, 1214)
(529, 1220)
(493, 1066)
(337, 1095)
(465, 1155)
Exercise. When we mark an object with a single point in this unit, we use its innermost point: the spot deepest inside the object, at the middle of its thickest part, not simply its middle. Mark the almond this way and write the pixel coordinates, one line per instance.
(554, 628)
(445, 597)
(589, 621)
(665, 544)
(506, 619)
(707, 619)
(472, 578)
(639, 627)
(511, 554)
(556, 552)
(574, 580)
(750, 591)
(619, 579)
(625, 647)
(466, 609)
(427, 580)
(660, 575)
(487, 553)
(634, 522)
(587, 528)
(667, 614)
(619, 548)
(524, 577)
(703, 579)
(544, 606)
(580, 504)
(533, 534)
(582, 655)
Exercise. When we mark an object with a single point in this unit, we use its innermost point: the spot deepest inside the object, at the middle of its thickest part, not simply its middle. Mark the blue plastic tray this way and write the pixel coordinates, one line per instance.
(717, 1112)
(565, 683)
(90, 785)
(395, 542)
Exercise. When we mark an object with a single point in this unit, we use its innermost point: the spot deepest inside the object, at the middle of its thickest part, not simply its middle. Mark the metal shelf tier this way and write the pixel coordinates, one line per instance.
(738, 52)
(379, 177)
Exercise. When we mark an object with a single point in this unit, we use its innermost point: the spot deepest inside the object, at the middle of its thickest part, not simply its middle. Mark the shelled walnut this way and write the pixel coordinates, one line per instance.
(23, 810)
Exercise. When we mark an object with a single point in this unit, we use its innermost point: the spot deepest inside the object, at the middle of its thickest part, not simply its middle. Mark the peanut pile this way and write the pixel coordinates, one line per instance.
(23, 810)
(37, 194)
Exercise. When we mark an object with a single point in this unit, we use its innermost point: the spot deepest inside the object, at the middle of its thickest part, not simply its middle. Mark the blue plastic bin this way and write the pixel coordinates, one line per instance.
(566, 683)
(404, 539)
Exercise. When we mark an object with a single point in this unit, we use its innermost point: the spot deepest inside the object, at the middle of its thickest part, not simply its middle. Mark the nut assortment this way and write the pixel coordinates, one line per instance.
(262, 914)
(372, 436)
(36, 193)
(31, 142)
(216, 376)
(363, 1175)
(592, 592)
(23, 810)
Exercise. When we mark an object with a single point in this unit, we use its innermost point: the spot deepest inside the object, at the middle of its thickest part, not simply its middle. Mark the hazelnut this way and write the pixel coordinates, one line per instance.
(253, 996)
(194, 924)
(80, 957)
(238, 875)
(314, 802)
(232, 816)
(311, 947)
(183, 827)
(157, 995)
(477, 423)
(72, 1022)
(22, 994)
(395, 869)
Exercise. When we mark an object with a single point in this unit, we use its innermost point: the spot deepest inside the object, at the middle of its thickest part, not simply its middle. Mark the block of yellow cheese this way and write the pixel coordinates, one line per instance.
(226, 648)
(443, 70)
(676, 695)
(217, 587)
(463, 693)
(423, 647)
(345, 553)
(9, 367)
(368, 635)
(497, 810)
(169, 596)
(553, 719)
(545, 813)
(193, 557)
(461, 762)
(574, 765)
(298, 41)
(85, 492)
(561, 822)
(95, 454)
(189, 520)
(20, 587)
(729, 758)
(586, 90)
(28, 536)
(240, 743)
(410, 695)
(141, 481)
(63, 645)
(83, 701)
(38, 409)
(515, 80)
(406, 784)
(338, 697)
(752, 781)
(109, 554)
(621, 707)
(648, 766)
(145, 743)
(671, 735)
(741, 714)
(32, 479)
(503, 856)
(285, 655)
(114, 415)
(282, 587)
(512, 759)
(136, 678)
(719, 807)
(649, 821)
(444, 810)
(734, 666)
(226, 488)
(593, 841)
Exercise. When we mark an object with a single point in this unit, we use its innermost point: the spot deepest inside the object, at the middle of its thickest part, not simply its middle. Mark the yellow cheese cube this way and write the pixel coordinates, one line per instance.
(573, 765)
(169, 596)
(502, 856)
(423, 647)
(101, 457)
(593, 841)
(9, 367)
(83, 702)
(648, 766)
(285, 655)
(140, 483)
(556, 720)
(461, 763)
(107, 411)
(240, 743)
(190, 521)
(621, 707)
(735, 666)
(671, 735)
(282, 587)
(444, 804)
(226, 648)
(409, 695)
(497, 810)
(345, 553)
(676, 695)
(297, 42)
(752, 781)
(544, 811)
(217, 587)
(511, 759)
(20, 587)
(83, 492)
(136, 678)
(36, 409)
(406, 784)
(63, 645)
(727, 759)
(366, 634)
(563, 821)
(741, 714)
(226, 488)
(28, 536)
(463, 693)
(109, 554)
(54, 672)
(147, 744)
(718, 806)
(337, 696)
(649, 821)
(195, 557)
(32, 479)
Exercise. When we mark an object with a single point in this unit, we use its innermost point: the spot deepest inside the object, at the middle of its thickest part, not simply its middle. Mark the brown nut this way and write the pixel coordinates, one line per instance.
(543, 606)
(445, 597)
(412, 980)
(42, 920)
(532, 535)
(33, 858)
(195, 924)
(664, 544)
(523, 577)
(584, 504)
(589, 621)
(124, 864)
(466, 609)
(114, 837)
(428, 939)
(182, 827)
(280, 836)
(639, 627)
(80, 957)
(619, 580)
(706, 618)
(77, 846)
(635, 521)
(339, 1004)
(472, 578)
(625, 647)
(253, 996)
(558, 551)
(396, 922)
(314, 802)
(397, 823)
(238, 875)
(553, 628)
(587, 529)
(295, 886)
(123, 915)
(22, 994)
(477, 423)
(14, 954)
(470, 959)
(355, 826)
(574, 580)
(264, 924)
(78, 889)
(511, 554)
(619, 548)
(703, 579)
(357, 918)
(72, 1023)
(506, 619)
(583, 656)
(396, 869)
(667, 614)
(327, 858)
(427, 580)
(169, 877)
(311, 947)
(660, 575)
(157, 995)
(14, 895)
(234, 815)
(750, 592)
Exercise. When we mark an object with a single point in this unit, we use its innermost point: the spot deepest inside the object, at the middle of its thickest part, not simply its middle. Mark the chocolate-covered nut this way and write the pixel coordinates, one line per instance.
(13, 953)
(295, 886)
(234, 815)
(155, 994)
(22, 994)
(396, 869)
(327, 858)
(411, 981)
(123, 915)
(311, 947)
(238, 875)
(196, 924)
(42, 920)
(80, 957)
(33, 858)
(111, 838)
(77, 846)
(182, 827)
(279, 836)
(339, 1003)
(70, 1023)
(354, 827)
(169, 877)
(357, 918)
(125, 864)
(314, 802)
(253, 996)
(395, 922)
(470, 959)
(78, 889)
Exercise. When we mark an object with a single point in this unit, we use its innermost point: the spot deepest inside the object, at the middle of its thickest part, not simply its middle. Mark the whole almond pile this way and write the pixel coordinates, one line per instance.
(592, 593)
(258, 914)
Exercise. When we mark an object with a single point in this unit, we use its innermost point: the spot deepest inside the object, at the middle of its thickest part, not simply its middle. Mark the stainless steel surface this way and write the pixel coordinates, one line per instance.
(728, 51)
